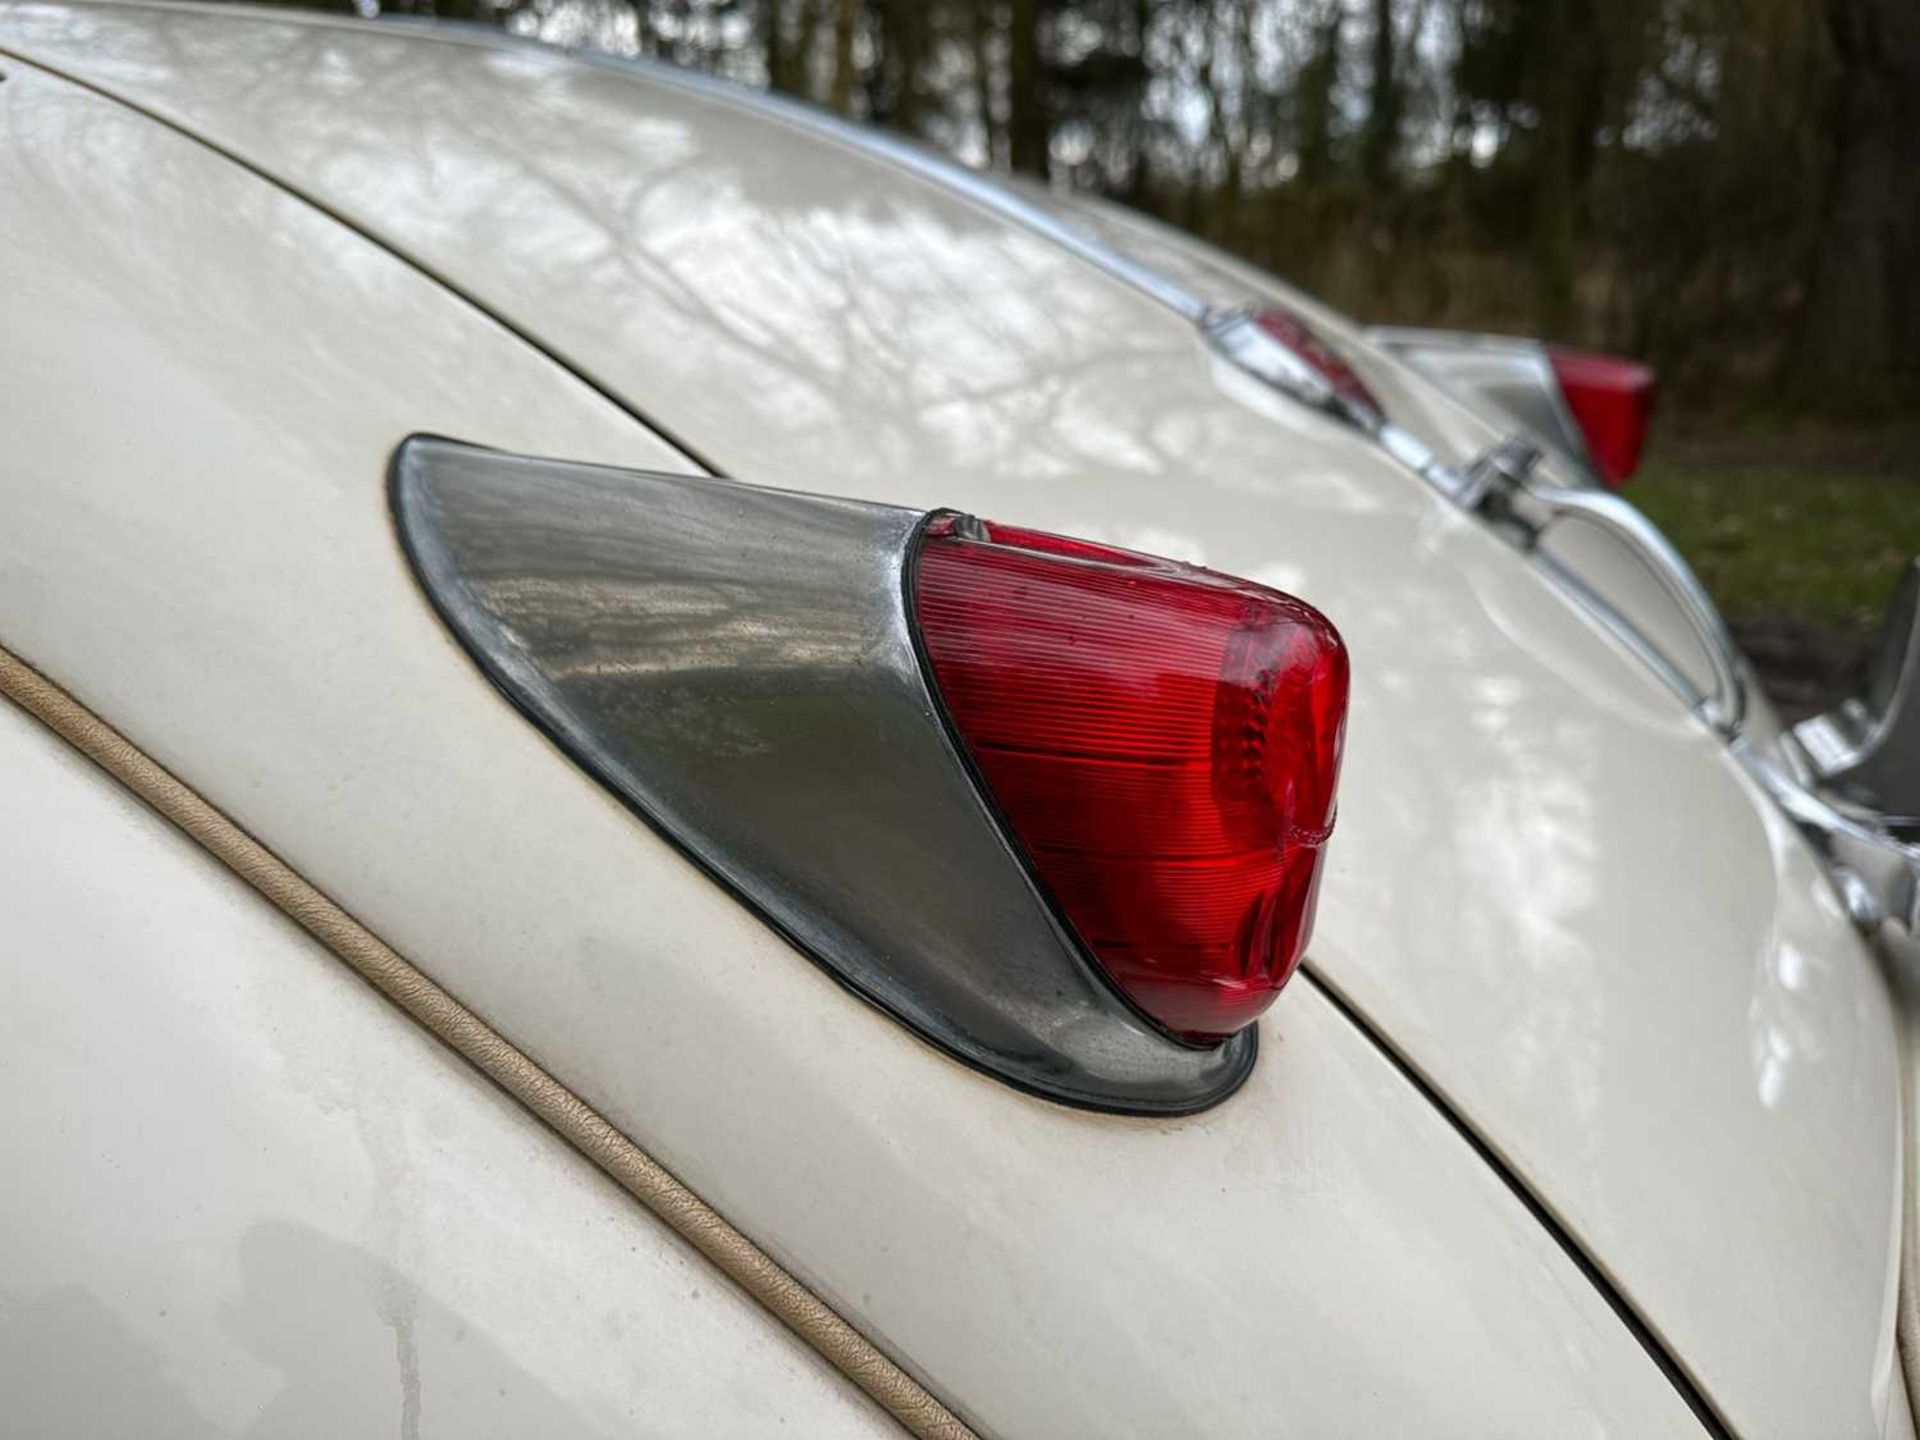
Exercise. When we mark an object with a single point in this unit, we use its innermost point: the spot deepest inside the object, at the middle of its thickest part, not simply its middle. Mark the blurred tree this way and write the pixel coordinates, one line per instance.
(982, 60)
(1028, 134)
(1380, 137)
(788, 41)
(1862, 317)
(895, 93)
(1317, 102)
(846, 20)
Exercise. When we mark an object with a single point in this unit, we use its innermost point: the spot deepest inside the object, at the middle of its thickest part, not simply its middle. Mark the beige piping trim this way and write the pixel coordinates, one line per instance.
(684, 1212)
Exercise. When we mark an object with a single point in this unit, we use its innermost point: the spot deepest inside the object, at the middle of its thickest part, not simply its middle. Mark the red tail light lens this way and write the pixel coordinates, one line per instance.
(1304, 341)
(1163, 741)
(1612, 402)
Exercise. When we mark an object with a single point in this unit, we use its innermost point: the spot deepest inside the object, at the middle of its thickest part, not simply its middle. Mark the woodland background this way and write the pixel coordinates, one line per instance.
(1729, 189)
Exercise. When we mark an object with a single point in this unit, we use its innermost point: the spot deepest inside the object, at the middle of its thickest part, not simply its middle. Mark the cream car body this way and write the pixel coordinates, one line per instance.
(1583, 1120)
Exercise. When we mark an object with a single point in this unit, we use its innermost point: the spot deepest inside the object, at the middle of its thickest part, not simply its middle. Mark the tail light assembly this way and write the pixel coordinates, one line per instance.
(1060, 808)
(1291, 330)
(1611, 401)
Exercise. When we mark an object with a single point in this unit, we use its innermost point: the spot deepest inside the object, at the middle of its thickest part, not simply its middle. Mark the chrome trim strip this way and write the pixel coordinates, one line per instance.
(1876, 873)
(1503, 489)
(1441, 354)
(1497, 486)
(1868, 748)
(1238, 335)
(1233, 334)
(736, 664)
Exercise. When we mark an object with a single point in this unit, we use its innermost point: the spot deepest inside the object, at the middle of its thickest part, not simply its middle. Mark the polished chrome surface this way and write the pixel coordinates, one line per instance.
(1869, 748)
(1506, 371)
(1554, 896)
(736, 664)
(1514, 374)
(1851, 779)
(1498, 484)
(1506, 466)
(1868, 751)
(1501, 488)
(1238, 335)
(1876, 871)
(1230, 331)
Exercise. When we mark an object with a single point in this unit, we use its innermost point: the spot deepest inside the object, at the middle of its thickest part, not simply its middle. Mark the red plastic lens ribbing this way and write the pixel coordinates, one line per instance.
(1164, 743)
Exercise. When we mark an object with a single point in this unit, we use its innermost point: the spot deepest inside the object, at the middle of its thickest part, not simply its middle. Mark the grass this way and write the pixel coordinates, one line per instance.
(1821, 546)
(1799, 533)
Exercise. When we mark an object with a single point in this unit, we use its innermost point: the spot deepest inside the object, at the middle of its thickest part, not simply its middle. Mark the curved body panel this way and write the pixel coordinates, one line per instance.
(735, 663)
(1552, 891)
(212, 567)
(294, 1213)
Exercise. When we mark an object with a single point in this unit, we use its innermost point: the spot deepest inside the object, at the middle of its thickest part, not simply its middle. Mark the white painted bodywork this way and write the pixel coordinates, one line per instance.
(1550, 889)
(1438, 413)
(247, 1197)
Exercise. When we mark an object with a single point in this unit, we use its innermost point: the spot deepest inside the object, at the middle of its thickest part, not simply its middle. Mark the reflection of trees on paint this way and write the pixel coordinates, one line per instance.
(1728, 187)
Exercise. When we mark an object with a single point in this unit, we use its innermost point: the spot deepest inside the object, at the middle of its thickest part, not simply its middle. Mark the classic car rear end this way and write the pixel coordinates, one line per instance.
(1581, 1116)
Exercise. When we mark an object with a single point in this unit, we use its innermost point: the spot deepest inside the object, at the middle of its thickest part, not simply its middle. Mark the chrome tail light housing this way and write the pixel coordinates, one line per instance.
(746, 670)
